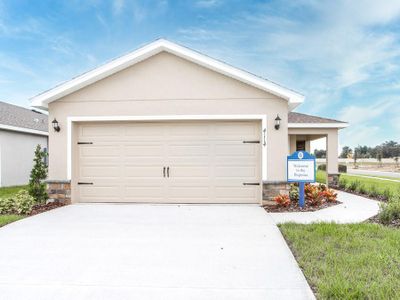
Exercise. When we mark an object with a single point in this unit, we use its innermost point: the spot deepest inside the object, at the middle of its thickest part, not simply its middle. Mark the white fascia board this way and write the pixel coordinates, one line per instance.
(24, 130)
(318, 125)
(42, 100)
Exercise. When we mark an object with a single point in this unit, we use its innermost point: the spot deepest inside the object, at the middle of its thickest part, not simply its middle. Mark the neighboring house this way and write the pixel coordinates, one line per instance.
(21, 130)
(167, 124)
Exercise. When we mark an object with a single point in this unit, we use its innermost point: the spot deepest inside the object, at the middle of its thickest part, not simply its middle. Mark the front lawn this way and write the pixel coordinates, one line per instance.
(381, 185)
(6, 219)
(356, 261)
(11, 190)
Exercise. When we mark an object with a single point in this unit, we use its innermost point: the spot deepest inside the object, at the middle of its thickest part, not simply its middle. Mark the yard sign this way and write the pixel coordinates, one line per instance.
(301, 169)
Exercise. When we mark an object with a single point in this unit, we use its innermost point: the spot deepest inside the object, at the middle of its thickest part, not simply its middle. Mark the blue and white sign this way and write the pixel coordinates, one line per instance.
(301, 167)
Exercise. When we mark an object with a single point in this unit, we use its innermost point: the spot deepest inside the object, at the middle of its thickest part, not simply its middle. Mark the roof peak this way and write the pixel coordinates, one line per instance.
(153, 48)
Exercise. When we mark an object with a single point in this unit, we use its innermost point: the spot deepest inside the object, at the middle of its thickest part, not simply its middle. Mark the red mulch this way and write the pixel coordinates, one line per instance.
(294, 207)
(39, 208)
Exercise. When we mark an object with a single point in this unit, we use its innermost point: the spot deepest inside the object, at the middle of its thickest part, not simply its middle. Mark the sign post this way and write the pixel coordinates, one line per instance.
(301, 169)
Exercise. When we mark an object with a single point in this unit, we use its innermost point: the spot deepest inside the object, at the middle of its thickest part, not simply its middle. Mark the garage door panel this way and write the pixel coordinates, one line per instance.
(143, 171)
(191, 171)
(97, 171)
(236, 171)
(100, 151)
(140, 150)
(208, 162)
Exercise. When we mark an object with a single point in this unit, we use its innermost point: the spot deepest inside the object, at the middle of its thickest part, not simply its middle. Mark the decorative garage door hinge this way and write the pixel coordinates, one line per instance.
(85, 183)
(85, 143)
(251, 142)
(251, 183)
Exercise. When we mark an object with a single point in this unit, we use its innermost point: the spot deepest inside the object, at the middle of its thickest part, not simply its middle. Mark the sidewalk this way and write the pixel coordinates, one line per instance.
(353, 209)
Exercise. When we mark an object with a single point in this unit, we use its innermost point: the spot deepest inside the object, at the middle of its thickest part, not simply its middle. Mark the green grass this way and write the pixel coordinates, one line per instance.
(11, 190)
(381, 185)
(357, 261)
(6, 219)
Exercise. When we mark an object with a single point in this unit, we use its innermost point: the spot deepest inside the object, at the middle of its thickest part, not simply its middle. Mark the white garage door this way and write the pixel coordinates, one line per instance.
(169, 162)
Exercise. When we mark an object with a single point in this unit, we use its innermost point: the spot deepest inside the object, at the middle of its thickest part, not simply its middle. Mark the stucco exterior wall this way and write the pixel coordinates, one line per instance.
(17, 152)
(168, 85)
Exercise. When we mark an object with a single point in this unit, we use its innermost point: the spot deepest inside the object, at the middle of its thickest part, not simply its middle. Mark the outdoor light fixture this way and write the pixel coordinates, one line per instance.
(277, 122)
(56, 127)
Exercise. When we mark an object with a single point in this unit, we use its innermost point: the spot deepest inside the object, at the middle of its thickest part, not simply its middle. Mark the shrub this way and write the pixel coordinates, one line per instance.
(387, 194)
(329, 195)
(342, 168)
(294, 193)
(343, 183)
(7, 205)
(390, 211)
(362, 189)
(282, 200)
(315, 197)
(373, 191)
(322, 187)
(23, 202)
(37, 187)
(353, 185)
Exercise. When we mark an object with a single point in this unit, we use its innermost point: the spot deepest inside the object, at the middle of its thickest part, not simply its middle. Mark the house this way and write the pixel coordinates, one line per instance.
(166, 124)
(21, 130)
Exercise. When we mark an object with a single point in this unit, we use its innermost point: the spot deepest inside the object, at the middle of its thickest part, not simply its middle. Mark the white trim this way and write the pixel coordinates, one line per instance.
(318, 125)
(42, 100)
(262, 118)
(24, 130)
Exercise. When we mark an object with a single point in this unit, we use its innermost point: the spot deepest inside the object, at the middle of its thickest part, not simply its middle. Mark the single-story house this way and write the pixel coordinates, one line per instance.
(166, 124)
(21, 130)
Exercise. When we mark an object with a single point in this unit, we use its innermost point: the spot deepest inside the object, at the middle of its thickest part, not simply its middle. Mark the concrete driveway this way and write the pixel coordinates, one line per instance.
(111, 251)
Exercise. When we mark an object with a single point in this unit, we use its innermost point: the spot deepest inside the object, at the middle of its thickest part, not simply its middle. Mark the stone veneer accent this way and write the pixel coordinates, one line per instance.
(272, 189)
(59, 190)
(333, 180)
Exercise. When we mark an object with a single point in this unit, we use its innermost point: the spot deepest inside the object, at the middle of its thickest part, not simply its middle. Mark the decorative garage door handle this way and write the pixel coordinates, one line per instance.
(251, 142)
(81, 183)
(163, 172)
(168, 172)
(251, 183)
(85, 143)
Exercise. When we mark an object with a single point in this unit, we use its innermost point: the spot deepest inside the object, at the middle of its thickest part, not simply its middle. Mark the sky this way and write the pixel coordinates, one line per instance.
(344, 56)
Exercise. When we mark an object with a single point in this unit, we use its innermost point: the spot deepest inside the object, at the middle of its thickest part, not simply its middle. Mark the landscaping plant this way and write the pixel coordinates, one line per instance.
(390, 212)
(23, 202)
(282, 200)
(294, 193)
(37, 186)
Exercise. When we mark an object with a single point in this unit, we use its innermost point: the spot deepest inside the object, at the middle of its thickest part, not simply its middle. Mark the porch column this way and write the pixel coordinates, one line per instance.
(332, 161)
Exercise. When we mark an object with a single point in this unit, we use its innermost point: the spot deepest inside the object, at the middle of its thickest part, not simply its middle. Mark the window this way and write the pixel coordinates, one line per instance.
(300, 145)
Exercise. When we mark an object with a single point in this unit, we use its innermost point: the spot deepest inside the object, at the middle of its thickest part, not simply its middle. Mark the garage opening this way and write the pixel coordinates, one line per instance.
(168, 162)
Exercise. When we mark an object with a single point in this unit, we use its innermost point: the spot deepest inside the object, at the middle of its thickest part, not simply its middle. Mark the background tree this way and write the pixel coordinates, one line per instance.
(379, 158)
(37, 186)
(320, 153)
(346, 152)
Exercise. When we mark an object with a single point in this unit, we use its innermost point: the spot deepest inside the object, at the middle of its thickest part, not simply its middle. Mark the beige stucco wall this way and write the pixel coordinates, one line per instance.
(168, 85)
(16, 156)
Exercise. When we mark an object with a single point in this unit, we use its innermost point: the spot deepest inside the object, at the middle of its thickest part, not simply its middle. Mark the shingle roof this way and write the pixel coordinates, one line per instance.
(18, 116)
(295, 117)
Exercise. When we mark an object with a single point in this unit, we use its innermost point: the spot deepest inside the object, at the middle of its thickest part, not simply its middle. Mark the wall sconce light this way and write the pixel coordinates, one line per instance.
(277, 122)
(56, 127)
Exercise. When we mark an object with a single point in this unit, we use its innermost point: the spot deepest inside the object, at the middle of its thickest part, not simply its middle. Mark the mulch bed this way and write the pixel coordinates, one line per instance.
(294, 207)
(39, 208)
(375, 220)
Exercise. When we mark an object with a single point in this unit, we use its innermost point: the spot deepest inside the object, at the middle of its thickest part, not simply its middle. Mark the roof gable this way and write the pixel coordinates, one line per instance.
(77, 83)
